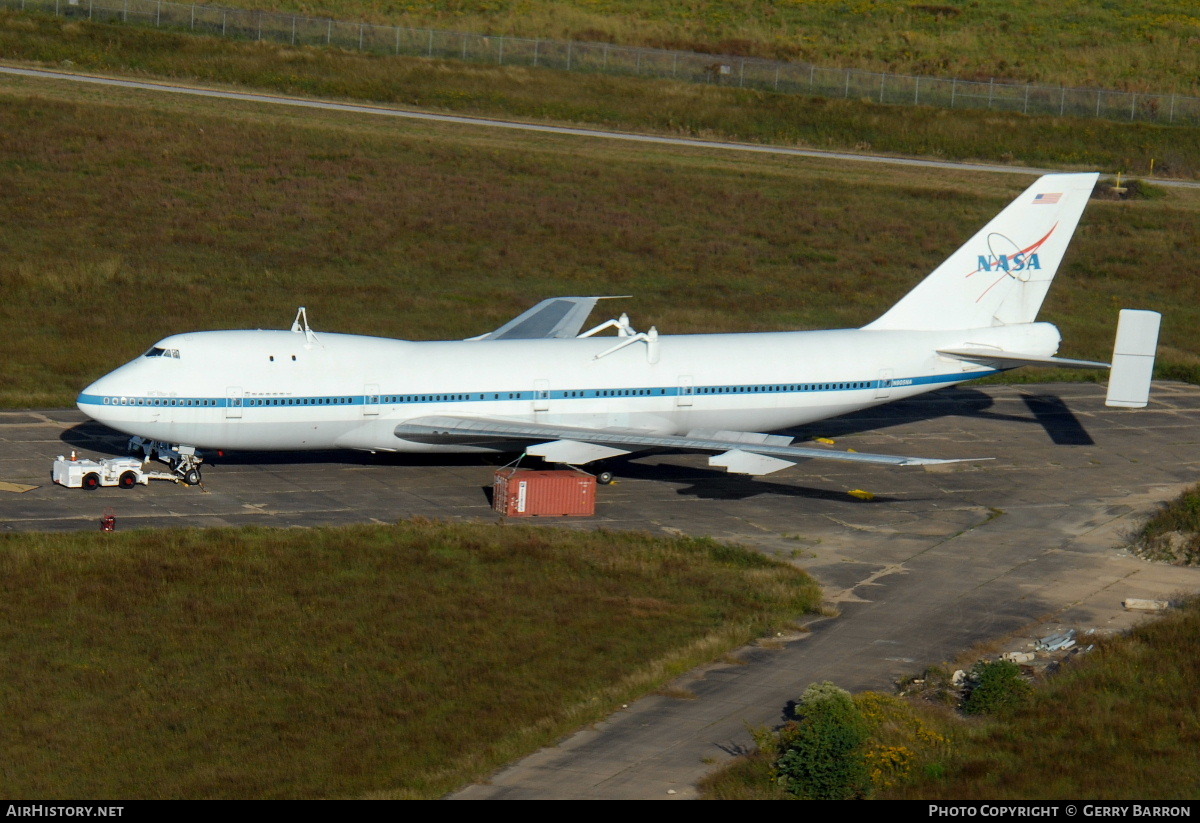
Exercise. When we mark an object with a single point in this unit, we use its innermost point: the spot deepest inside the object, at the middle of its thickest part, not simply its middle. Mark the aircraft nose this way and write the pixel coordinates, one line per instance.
(99, 399)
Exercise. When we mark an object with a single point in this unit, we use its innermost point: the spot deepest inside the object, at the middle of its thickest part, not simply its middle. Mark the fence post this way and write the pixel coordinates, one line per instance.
(568, 55)
(1171, 119)
(742, 74)
(991, 90)
(157, 14)
(674, 63)
(1025, 109)
(500, 52)
(431, 42)
(193, 24)
(293, 29)
(224, 15)
(1062, 102)
(917, 91)
(1097, 102)
(953, 90)
(846, 91)
(776, 77)
(882, 78)
(536, 44)
(360, 36)
(1132, 105)
(329, 32)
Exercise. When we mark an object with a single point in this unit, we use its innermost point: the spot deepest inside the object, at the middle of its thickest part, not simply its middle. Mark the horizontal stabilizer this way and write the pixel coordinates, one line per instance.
(999, 359)
(451, 429)
(1133, 359)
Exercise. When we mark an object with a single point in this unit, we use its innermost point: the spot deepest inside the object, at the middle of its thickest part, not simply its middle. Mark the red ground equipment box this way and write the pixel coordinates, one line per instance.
(525, 493)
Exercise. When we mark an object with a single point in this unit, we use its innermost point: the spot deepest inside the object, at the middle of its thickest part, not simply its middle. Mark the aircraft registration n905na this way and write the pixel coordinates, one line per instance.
(540, 386)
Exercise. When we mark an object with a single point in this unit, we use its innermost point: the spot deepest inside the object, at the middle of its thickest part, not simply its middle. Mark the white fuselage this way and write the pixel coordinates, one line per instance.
(280, 390)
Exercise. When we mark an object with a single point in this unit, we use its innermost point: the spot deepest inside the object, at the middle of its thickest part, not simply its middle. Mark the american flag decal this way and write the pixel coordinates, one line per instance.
(1046, 199)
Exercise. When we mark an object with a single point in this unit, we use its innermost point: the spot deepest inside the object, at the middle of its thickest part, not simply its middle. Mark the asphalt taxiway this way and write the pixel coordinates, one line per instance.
(940, 559)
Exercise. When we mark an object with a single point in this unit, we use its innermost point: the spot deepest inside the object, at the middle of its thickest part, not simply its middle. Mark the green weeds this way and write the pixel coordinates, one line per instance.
(1172, 534)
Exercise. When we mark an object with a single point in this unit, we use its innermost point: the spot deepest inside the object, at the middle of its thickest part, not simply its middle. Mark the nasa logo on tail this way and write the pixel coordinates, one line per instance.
(1009, 263)
(1017, 264)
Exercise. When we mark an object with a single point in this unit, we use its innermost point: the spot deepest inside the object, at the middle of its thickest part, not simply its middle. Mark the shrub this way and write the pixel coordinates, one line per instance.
(997, 687)
(822, 749)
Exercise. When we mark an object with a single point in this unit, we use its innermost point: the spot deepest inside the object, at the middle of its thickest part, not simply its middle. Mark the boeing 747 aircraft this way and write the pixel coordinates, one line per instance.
(539, 385)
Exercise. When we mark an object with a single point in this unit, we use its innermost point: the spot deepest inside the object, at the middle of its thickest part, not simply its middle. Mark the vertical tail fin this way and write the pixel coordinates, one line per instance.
(1001, 275)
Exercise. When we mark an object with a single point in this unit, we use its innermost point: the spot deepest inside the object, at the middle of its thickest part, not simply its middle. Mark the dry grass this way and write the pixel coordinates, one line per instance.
(396, 661)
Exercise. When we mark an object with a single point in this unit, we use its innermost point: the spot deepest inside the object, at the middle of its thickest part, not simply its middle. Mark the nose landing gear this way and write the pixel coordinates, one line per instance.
(183, 460)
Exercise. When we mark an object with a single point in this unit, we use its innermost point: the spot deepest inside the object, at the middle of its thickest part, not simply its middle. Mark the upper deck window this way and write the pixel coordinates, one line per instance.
(157, 352)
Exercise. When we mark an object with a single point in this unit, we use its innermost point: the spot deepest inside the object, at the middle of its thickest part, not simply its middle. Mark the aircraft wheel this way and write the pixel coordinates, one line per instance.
(192, 477)
(128, 480)
(604, 478)
(91, 482)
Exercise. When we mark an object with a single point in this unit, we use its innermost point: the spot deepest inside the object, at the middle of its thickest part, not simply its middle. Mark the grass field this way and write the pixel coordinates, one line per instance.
(617, 102)
(132, 215)
(383, 661)
(1121, 45)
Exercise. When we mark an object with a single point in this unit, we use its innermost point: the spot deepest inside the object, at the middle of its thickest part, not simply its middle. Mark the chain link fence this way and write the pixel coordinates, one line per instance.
(742, 72)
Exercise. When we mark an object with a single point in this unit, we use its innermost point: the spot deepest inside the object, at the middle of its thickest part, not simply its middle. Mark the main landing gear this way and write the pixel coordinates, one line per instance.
(183, 460)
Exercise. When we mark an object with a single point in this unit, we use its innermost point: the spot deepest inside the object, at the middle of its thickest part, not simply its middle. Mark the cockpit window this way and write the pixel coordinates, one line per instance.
(157, 352)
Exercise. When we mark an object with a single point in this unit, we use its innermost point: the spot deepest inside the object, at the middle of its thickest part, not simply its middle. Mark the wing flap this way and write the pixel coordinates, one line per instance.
(573, 452)
(744, 462)
(448, 428)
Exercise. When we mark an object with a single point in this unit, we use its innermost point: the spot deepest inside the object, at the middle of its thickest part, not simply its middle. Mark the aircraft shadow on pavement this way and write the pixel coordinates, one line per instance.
(716, 484)
(1058, 420)
(1048, 410)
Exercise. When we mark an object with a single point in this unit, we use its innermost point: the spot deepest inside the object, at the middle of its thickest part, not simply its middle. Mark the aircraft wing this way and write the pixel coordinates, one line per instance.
(557, 317)
(739, 452)
(1001, 359)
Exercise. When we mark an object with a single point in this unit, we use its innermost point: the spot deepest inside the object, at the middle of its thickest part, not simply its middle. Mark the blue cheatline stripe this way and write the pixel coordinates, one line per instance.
(389, 399)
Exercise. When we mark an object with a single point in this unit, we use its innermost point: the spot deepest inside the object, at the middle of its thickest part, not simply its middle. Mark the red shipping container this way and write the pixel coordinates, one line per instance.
(526, 493)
